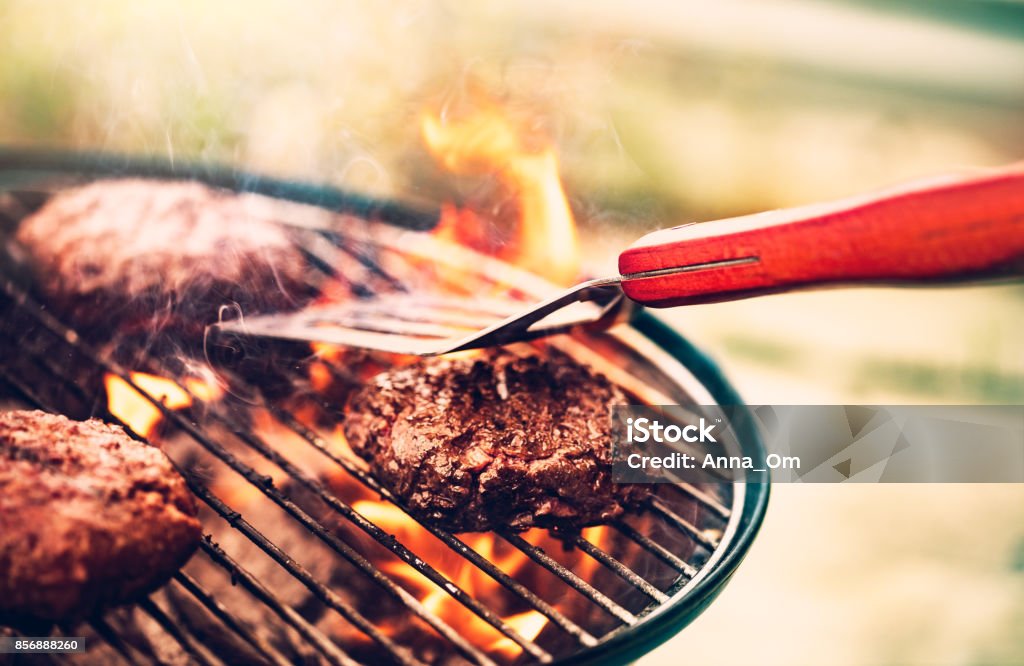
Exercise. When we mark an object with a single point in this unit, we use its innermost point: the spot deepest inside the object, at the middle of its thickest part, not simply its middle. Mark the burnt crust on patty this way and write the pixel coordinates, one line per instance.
(88, 517)
(144, 256)
(496, 441)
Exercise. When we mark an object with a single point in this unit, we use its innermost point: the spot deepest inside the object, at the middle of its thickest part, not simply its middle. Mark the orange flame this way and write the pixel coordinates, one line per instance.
(474, 581)
(529, 626)
(489, 142)
(141, 415)
(130, 406)
(206, 390)
(319, 376)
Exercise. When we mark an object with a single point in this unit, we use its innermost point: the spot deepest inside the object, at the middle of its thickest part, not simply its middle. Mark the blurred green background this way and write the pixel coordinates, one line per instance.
(662, 112)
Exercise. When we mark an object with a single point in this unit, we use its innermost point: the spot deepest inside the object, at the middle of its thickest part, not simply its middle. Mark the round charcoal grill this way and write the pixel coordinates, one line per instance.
(316, 591)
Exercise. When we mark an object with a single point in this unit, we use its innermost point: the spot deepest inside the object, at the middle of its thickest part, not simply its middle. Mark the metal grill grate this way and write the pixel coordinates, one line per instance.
(50, 339)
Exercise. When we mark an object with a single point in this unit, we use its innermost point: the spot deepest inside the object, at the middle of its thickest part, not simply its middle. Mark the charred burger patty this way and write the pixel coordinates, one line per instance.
(88, 517)
(499, 441)
(143, 256)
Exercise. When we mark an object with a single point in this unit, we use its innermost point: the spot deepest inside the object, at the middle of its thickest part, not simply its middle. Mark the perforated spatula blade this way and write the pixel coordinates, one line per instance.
(428, 325)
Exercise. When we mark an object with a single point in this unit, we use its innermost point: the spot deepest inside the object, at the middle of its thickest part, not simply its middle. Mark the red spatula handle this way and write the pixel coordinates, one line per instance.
(966, 226)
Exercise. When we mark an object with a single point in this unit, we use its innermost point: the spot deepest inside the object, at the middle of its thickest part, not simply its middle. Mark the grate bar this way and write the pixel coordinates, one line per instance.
(620, 569)
(680, 582)
(655, 548)
(676, 586)
(362, 258)
(41, 359)
(218, 610)
(195, 652)
(111, 638)
(300, 573)
(26, 392)
(449, 539)
(323, 644)
(540, 557)
(681, 523)
(704, 498)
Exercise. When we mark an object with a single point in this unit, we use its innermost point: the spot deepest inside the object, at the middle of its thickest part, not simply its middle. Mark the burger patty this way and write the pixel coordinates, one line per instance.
(88, 517)
(144, 256)
(499, 441)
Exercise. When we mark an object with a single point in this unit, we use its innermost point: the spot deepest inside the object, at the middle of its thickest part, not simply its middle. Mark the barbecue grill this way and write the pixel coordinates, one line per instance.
(647, 576)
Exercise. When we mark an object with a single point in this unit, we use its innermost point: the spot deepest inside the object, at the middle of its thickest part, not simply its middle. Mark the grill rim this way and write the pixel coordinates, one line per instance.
(692, 594)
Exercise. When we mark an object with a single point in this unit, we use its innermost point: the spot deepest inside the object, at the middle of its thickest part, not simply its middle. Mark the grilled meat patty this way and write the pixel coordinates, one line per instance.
(88, 517)
(144, 256)
(498, 441)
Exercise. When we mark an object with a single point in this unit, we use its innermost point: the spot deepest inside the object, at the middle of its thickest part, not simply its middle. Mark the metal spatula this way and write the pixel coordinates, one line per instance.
(954, 228)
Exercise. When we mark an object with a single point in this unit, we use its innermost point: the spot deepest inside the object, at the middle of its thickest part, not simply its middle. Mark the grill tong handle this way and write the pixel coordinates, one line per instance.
(958, 227)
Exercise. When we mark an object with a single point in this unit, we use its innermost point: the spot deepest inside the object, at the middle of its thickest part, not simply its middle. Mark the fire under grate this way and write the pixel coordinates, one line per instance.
(684, 530)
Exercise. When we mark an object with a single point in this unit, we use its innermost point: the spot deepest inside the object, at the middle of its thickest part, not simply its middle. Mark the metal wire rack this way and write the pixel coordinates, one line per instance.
(723, 509)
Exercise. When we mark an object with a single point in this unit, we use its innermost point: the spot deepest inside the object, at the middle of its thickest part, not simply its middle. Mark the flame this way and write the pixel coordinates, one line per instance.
(474, 581)
(134, 409)
(204, 389)
(324, 354)
(529, 626)
(326, 351)
(141, 415)
(462, 226)
(486, 142)
(320, 376)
